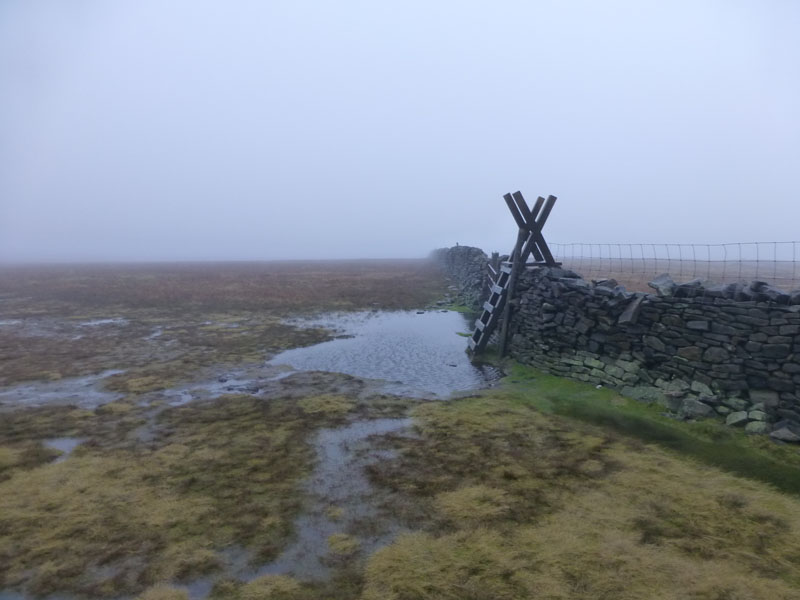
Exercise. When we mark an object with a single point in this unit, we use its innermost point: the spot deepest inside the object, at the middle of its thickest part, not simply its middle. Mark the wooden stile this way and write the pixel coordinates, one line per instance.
(503, 280)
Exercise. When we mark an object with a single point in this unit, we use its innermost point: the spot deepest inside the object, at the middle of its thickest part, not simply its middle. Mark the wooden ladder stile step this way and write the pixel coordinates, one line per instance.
(503, 277)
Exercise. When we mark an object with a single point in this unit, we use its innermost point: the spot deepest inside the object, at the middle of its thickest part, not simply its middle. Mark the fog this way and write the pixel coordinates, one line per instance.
(192, 130)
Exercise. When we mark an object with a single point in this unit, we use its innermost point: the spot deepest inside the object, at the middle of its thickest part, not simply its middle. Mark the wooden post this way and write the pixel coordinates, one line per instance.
(512, 282)
(495, 261)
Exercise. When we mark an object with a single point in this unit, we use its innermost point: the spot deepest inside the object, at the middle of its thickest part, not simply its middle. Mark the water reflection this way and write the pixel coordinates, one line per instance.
(417, 354)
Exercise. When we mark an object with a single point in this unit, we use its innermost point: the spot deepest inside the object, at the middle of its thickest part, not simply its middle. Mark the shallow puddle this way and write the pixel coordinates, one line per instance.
(339, 496)
(339, 499)
(100, 322)
(236, 381)
(418, 355)
(65, 445)
(85, 392)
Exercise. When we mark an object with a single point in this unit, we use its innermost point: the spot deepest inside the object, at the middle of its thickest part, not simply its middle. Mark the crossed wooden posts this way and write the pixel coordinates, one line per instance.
(531, 222)
(503, 280)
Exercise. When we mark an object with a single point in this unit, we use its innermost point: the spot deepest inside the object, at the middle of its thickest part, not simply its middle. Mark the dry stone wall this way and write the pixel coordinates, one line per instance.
(730, 352)
(468, 267)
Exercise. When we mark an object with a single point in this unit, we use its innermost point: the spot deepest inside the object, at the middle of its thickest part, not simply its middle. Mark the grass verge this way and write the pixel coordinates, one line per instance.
(709, 441)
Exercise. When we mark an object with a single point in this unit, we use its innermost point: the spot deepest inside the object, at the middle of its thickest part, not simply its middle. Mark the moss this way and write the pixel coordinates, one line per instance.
(326, 404)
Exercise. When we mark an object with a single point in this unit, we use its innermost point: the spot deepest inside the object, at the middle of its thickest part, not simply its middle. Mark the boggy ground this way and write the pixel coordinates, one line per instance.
(513, 493)
(161, 490)
(163, 322)
(541, 488)
(516, 494)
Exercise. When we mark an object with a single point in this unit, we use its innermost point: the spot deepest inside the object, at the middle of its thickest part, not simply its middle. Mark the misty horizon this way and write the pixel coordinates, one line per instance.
(144, 132)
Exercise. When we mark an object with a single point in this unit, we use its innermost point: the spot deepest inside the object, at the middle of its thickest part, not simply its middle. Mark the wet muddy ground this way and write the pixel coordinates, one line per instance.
(84, 381)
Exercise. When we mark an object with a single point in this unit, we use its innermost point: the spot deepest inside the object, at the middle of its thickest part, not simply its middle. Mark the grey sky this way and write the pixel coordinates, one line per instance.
(186, 129)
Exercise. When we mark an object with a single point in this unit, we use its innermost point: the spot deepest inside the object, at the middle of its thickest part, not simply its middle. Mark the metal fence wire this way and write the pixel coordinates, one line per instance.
(633, 265)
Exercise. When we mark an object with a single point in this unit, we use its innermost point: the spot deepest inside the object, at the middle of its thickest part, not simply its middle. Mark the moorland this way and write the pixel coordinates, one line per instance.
(538, 487)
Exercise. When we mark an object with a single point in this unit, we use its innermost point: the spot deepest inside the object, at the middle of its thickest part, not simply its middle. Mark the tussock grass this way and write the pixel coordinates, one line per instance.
(473, 504)
(199, 346)
(490, 449)
(163, 592)
(36, 423)
(343, 544)
(335, 513)
(267, 587)
(23, 431)
(118, 516)
(271, 587)
(518, 503)
(326, 404)
(110, 521)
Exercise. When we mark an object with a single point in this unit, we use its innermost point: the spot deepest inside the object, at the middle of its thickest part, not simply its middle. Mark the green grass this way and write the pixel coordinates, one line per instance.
(709, 441)
(467, 310)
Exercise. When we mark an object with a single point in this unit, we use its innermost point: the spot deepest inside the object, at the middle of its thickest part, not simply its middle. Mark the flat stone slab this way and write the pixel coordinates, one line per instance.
(737, 419)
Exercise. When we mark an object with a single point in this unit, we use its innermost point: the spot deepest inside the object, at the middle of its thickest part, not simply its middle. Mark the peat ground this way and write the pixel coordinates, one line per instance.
(190, 465)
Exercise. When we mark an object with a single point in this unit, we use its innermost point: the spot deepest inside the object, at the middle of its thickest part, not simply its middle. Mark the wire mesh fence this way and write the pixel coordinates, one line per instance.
(633, 265)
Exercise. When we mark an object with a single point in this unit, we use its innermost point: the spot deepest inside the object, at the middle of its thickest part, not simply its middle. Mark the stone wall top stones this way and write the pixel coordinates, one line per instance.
(699, 351)
(468, 266)
(728, 351)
